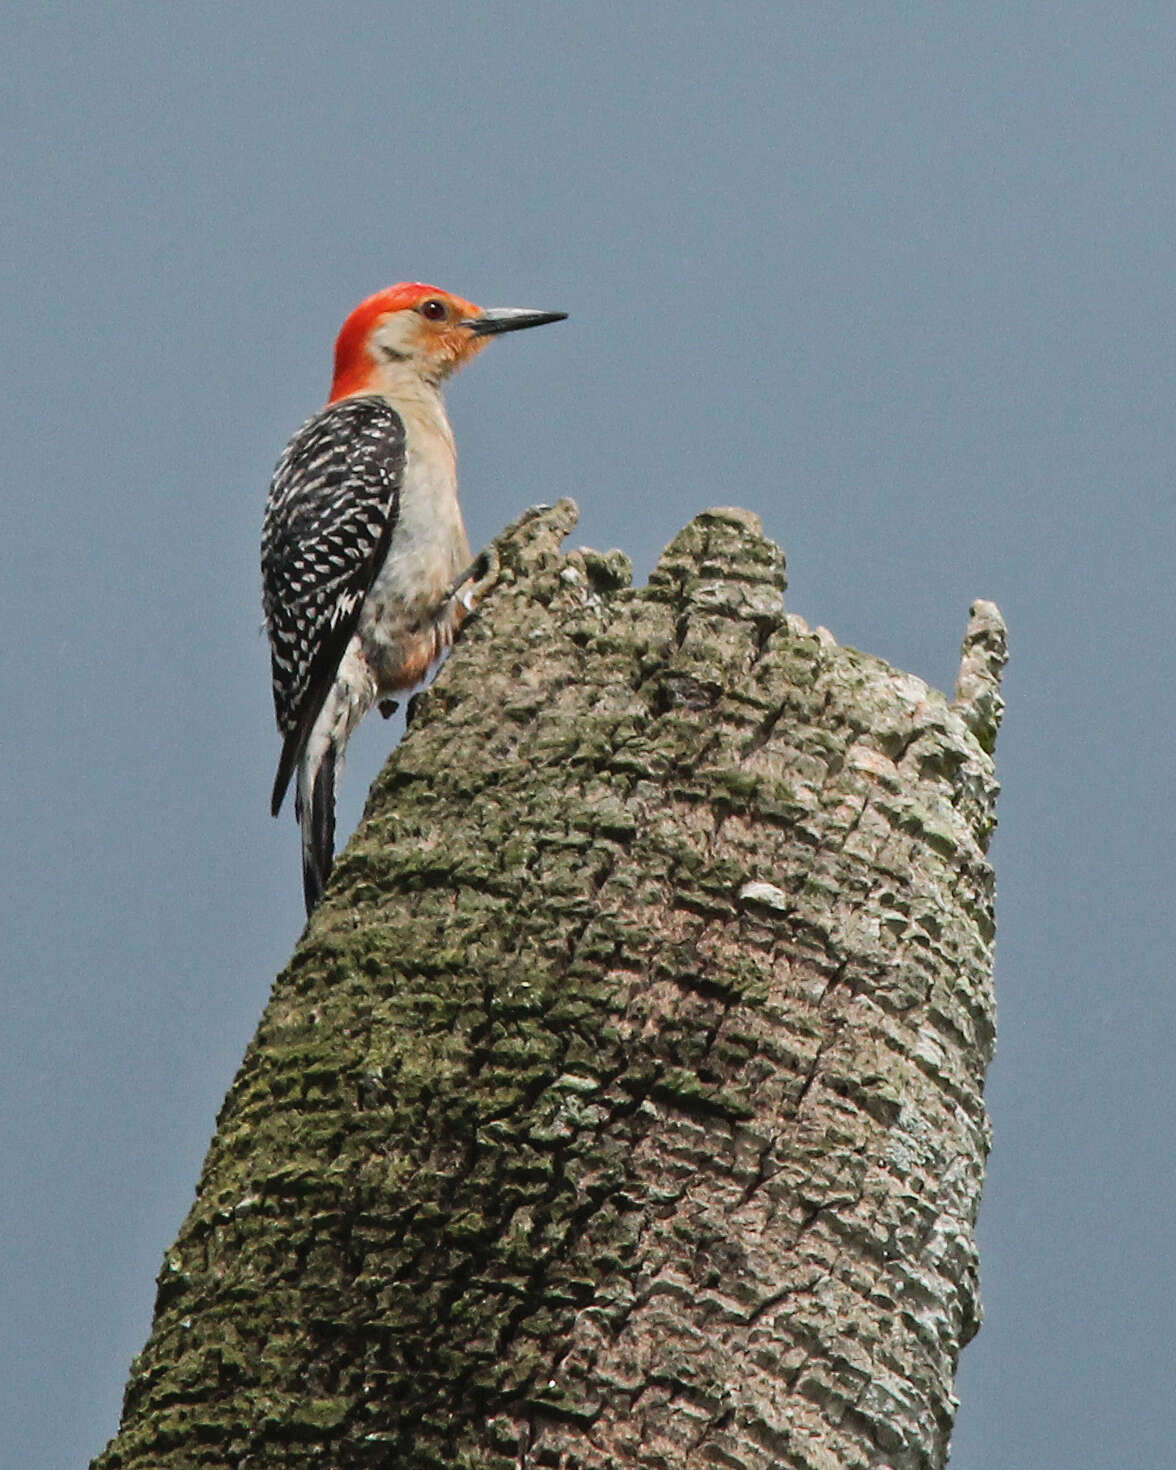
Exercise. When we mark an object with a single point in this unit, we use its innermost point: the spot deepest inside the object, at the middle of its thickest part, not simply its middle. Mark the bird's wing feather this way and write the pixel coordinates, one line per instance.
(331, 513)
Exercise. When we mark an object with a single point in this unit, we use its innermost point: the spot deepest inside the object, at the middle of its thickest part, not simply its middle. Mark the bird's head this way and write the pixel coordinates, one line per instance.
(421, 330)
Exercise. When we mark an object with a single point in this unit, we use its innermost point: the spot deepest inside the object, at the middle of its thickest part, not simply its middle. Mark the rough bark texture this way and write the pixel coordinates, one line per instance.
(621, 1105)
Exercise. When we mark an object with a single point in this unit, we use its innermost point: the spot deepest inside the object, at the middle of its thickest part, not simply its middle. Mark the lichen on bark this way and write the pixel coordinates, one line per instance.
(621, 1104)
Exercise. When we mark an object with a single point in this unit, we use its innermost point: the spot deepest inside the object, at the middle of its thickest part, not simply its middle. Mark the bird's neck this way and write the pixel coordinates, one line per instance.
(418, 402)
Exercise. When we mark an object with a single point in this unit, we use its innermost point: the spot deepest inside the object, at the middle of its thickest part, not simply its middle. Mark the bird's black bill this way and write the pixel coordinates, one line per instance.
(510, 319)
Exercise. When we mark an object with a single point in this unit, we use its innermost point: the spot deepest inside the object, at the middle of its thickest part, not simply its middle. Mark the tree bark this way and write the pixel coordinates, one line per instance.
(621, 1105)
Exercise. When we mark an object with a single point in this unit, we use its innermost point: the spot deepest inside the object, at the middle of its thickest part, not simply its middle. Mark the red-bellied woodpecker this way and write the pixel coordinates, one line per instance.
(363, 547)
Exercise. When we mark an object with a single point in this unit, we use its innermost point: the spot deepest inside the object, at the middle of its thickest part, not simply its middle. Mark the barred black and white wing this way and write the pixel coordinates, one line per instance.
(331, 513)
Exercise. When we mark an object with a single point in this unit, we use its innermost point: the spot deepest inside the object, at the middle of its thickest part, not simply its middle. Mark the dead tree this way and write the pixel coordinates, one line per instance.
(621, 1105)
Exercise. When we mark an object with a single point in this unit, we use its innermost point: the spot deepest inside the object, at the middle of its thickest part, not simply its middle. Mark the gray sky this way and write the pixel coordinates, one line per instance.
(900, 278)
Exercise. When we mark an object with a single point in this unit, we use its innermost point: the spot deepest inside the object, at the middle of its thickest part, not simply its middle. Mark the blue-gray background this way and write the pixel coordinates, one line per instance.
(898, 277)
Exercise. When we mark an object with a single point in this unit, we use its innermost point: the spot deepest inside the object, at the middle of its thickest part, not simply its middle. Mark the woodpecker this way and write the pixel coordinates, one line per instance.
(363, 545)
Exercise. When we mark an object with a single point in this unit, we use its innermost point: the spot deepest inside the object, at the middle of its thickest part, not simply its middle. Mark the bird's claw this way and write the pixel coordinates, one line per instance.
(477, 579)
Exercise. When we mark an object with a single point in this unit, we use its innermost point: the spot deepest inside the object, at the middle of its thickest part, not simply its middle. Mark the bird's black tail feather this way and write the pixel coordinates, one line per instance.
(317, 820)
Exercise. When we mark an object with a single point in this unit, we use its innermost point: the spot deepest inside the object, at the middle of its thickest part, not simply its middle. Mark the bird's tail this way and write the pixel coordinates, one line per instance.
(315, 808)
(320, 769)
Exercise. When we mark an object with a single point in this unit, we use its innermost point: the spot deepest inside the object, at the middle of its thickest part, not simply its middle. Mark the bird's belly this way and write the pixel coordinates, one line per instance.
(400, 653)
(404, 626)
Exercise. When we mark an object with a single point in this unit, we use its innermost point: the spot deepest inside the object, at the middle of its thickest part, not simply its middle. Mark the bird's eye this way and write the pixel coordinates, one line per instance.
(433, 311)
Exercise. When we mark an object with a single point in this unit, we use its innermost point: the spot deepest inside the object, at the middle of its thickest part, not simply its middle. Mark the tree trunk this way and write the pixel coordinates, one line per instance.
(621, 1105)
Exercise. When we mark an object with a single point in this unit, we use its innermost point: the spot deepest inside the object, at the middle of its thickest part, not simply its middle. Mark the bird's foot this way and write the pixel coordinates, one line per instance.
(476, 580)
